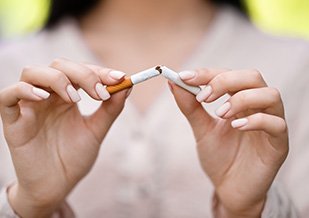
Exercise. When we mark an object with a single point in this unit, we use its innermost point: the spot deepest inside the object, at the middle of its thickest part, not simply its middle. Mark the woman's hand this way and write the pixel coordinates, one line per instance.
(243, 148)
(52, 145)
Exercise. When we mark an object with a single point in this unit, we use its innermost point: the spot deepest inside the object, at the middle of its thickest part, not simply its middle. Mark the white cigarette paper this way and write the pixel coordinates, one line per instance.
(174, 77)
(145, 75)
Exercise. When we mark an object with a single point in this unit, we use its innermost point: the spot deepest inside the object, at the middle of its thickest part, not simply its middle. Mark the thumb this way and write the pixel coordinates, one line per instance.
(197, 116)
(101, 120)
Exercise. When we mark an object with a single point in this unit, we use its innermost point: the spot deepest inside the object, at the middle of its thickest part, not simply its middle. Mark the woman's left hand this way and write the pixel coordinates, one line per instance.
(241, 149)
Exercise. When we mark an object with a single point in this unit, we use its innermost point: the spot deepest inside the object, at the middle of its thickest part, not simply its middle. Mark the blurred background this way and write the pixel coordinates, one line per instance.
(288, 17)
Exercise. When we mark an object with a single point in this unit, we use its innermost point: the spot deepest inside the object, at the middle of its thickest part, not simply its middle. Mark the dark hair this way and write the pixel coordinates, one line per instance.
(78, 8)
(238, 4)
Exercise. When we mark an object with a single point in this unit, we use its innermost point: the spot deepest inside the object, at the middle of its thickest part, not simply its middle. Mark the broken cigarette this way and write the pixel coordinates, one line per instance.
(135, 79)
(175, 78)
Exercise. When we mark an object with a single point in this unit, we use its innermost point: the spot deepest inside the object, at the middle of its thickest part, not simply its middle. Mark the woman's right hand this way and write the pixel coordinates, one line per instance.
(53, 146)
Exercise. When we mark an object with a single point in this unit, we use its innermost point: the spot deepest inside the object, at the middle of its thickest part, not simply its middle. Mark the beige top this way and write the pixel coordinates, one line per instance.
(148, 165)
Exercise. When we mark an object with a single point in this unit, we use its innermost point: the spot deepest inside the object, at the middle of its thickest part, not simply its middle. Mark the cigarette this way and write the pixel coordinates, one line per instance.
(175, 78)
(135, 79)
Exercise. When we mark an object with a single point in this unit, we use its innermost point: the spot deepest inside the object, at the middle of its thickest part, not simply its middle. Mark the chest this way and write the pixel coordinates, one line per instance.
(133, 54)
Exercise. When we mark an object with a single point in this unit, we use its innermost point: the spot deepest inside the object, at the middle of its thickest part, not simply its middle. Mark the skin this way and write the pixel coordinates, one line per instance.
(53, 146)
(56, 146)
(241, 162)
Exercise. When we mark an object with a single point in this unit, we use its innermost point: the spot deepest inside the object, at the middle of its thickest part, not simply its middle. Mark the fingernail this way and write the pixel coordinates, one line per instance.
(223, 109)
(239, 122)
(102, 92)
(185, 75)
(116, 74)
(40, 93)
(129, 92)
(204, 94)
(73, 94)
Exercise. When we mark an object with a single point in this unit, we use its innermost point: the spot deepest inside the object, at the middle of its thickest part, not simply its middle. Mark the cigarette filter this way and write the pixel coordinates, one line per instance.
(135, 79)
(174, 77)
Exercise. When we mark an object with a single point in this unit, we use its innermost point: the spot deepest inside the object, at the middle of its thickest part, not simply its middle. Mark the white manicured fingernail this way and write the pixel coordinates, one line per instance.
(204, 94)
(239, 122)
(102, 92)
(40, 92)
(223, 109)
(116, 74)
(185, 75)
(73, 94)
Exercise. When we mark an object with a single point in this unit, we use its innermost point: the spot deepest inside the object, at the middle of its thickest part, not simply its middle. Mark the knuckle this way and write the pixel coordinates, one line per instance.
(88, 76)
(103, 72)
(282, 125)
(26, 70)
(87, 73)
(242, 97)
(202, 71)
(275, 93)
(58, 77)
(221, 79)
(259, 119)
(19, 87)
(57, 62)
(256, 75)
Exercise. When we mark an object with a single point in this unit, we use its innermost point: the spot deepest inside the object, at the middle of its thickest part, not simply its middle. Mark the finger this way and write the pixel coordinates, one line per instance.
(104, 117)
(266, 99)
(273, 125)
(107, 76)
(83, 77)
(198, 118)
(52, 79)
(200, 77)
(233, 81)
(10, 97)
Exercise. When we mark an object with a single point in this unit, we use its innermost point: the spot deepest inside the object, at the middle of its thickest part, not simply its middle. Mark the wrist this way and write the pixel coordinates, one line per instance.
(25, 207)
(252, 211)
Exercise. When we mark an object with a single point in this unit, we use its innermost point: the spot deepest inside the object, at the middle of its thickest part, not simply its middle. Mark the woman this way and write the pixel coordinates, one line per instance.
(147, 166)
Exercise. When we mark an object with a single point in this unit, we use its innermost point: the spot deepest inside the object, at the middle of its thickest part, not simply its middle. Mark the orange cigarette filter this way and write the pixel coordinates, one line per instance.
(125, 84)
(135, 79)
